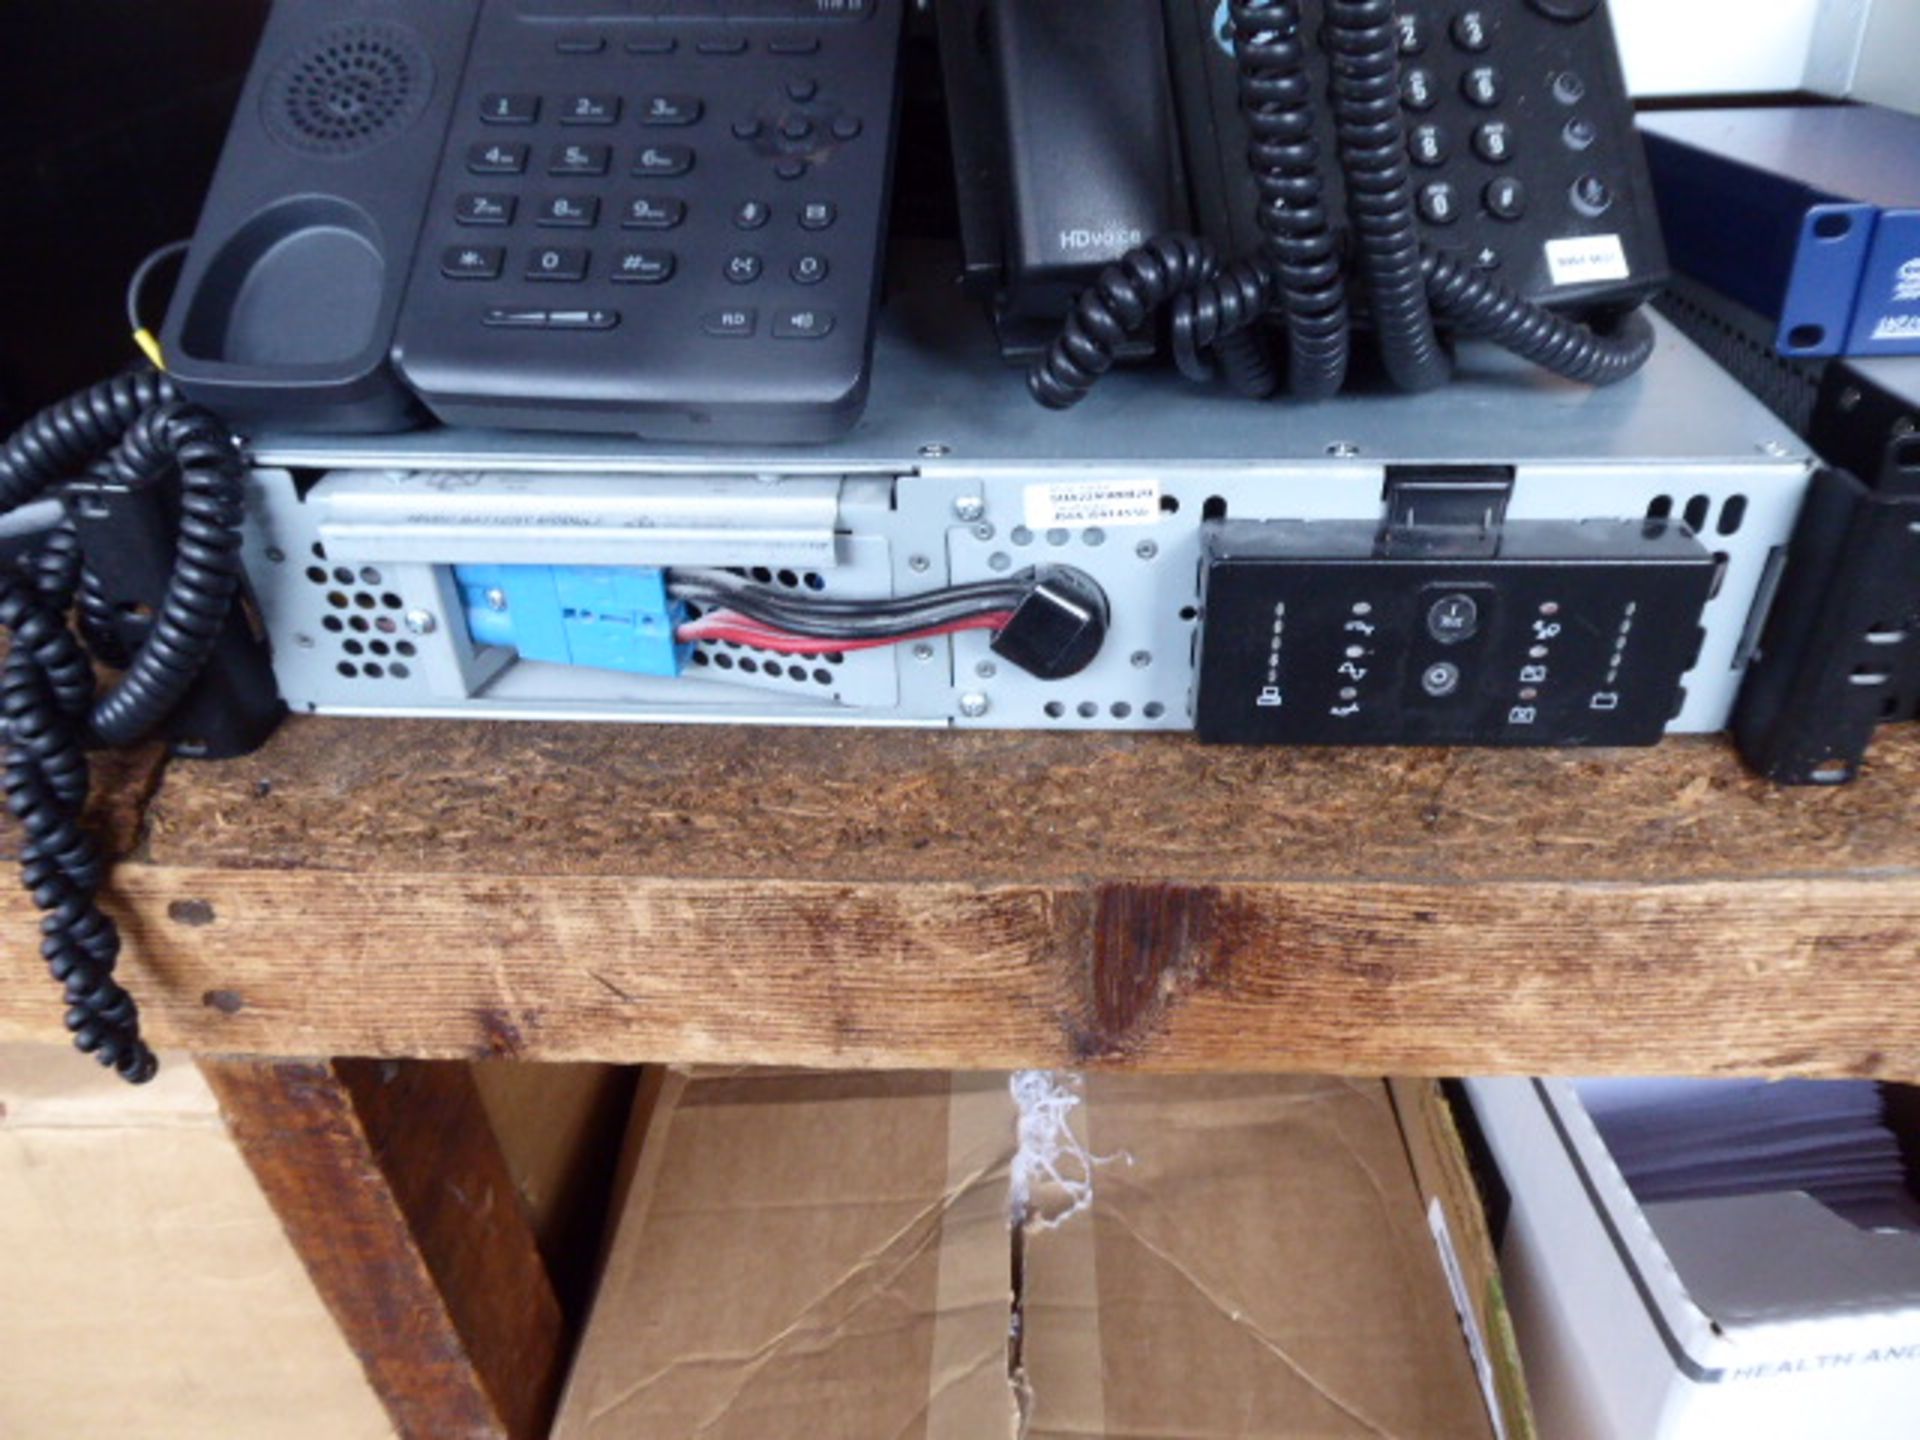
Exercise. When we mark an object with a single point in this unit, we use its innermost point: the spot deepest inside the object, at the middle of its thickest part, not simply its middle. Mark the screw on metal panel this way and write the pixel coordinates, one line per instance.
(421, 622)
(923, 652)
(973, 704)
(918, 563)
(986, 669)
(496, 599)
(305, 642)
(1343, 450)
(1142, 659)
(969, 507)
(1146, 549)
(935, 451)
(275, 554)
(983, 531)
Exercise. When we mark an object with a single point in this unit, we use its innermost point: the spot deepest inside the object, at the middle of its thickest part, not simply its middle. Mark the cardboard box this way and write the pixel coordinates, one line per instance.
(1763, 1317)
(146, 1287)
(837, 1255)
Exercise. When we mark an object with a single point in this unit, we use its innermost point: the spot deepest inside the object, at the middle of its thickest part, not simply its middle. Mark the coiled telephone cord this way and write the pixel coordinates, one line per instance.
(133, 430)
(1217, 313)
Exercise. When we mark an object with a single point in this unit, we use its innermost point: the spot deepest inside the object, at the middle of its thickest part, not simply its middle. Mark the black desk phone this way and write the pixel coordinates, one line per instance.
(650, 216)
(668, 217)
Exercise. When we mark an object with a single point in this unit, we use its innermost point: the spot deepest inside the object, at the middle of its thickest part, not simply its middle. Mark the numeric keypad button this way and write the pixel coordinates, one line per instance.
(1428, 145)
(472, 262)
(579, 159)
(497, 158)
(1418, 89)
(484, 210)
(577, 212)
(1413, 34)
(643, 267)
(1493, 142)
(590, 110)
(663, 160)
(647, 212)
(1440, 203)
(560, 263)
(509, 109)
(1472, 32)
(671, 110)
(1483, 87)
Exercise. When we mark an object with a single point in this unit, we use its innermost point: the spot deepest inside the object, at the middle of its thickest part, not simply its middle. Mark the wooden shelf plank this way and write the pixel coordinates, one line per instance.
(883, 898)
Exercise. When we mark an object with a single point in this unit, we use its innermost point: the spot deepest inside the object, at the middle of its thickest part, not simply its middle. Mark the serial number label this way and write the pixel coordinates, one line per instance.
(1093, 502)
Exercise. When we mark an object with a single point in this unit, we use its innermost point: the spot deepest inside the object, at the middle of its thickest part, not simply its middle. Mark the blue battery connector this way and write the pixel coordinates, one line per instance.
(602, 617)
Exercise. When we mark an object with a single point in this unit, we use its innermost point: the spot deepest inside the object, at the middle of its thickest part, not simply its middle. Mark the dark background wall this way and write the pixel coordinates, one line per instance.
(113, 112)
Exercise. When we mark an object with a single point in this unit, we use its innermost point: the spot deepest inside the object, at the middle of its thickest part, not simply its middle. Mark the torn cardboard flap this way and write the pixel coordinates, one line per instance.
(1260, 1267)
(832, 1255)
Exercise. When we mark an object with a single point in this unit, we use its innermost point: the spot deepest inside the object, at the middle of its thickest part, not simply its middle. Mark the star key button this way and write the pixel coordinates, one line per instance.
(472, 262)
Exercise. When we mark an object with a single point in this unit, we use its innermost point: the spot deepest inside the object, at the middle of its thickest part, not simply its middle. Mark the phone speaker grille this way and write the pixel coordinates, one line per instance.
(351, 88)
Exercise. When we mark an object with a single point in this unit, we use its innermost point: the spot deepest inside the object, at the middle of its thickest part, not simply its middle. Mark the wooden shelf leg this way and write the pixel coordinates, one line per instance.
(393, 1189)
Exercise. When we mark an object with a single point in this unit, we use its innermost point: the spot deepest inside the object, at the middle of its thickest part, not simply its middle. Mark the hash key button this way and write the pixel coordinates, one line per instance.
(643, 267)
(802, 324)
(732, 323)
(557, 263)
(472, 262)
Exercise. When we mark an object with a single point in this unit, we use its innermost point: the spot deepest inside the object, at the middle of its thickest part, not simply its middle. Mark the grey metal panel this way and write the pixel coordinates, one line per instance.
(452, 517)
(937, 382)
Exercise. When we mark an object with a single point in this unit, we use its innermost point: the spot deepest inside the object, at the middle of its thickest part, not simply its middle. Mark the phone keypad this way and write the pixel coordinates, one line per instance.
(789, 140)
(655, 189)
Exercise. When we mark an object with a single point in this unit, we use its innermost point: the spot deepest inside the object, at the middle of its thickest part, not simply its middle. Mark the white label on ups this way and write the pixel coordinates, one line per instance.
(1587, 259)
(1093, 502)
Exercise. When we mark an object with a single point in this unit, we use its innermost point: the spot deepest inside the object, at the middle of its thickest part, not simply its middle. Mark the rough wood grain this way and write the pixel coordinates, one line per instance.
(1789, 976)
(881, 898)
(392, 1188)
(403, 797)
